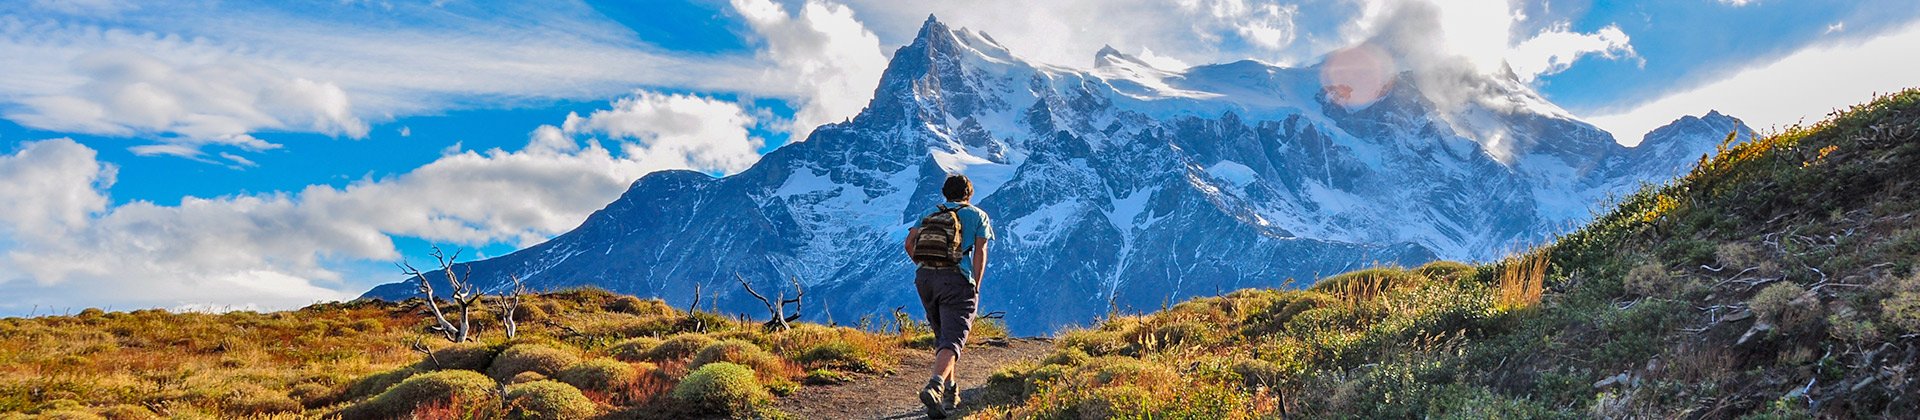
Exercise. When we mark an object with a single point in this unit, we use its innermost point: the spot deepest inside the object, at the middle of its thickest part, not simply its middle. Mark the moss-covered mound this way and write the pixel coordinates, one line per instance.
(470, 356)
(538, 358)
(460, 387)
(633, 349)
(721, 387)
(548, 400)
(679, 346)
(602, 375)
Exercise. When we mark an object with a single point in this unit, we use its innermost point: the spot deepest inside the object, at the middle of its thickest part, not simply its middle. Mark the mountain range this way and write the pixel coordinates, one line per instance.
(1120, 187)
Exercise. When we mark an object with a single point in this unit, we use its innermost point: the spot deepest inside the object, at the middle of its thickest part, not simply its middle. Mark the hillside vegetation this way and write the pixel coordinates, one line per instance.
(579, 354)
(1776, 280)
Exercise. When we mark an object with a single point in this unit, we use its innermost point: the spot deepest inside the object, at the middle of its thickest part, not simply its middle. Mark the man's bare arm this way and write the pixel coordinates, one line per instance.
(979, 261)
(911, 235)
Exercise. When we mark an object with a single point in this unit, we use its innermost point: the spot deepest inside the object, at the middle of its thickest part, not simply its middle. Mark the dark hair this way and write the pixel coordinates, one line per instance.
(958, 188)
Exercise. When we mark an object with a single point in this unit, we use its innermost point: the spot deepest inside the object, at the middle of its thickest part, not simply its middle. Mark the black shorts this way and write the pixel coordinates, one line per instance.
(950, 299)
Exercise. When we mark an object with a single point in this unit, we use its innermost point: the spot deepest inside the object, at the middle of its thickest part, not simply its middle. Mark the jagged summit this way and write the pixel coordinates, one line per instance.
(1120, 185)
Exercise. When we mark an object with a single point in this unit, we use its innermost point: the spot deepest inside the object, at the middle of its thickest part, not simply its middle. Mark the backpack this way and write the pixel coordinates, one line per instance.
(938, 243)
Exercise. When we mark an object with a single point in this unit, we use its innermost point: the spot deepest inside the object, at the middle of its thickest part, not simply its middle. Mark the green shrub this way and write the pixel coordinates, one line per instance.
(721, 387)
(548, 400)
(1274, 317)
(1787, 306)
(921, 341)
(75, 414)
(1902, 309)
(1444, 270)
(1009, 382)
(1067, 356)
(470, 356)
(1364, 285)
(679, 346)
(1255, 373)
(826, 377)
(1178, 334)
(530, 358)
(1097, 342)
(837, 354)
(127, 412)
(1649, 280)
(633, 349)
(377, 383)
(638, 306)
(525, 377)
(1114, 370)
(465, 386)
(742, 353)
(1115, 402)
(529, 313)
(311, 394)
(250, 399)
(602, 375)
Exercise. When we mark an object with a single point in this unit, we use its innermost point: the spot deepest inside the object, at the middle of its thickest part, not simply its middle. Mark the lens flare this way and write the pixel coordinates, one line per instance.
(1356, 77)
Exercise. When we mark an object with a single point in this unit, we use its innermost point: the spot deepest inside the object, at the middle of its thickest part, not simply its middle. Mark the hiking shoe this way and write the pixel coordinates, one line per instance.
(950, 396)
(930, 396)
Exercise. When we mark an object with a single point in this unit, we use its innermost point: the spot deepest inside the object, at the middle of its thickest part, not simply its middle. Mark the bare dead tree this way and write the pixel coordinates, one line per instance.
(777, 307)
(464, 296)
(696, 299)
(420, 347)
(508, 303)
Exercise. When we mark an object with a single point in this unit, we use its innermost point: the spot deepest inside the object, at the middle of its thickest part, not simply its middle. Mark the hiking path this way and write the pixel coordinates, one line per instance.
(893, 395)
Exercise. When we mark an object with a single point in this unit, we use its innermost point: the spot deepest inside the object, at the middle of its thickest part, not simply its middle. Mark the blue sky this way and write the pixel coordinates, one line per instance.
(270, 154)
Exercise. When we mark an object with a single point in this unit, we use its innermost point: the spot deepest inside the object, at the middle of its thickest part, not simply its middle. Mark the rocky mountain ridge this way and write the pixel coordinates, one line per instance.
(1121, 187)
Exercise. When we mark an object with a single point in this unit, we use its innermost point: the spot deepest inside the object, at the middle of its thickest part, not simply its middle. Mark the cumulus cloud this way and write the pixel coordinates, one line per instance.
(1819, 79)
(66, 245)
(51, 188)
(824, 50)
(1267, 25)
(1555, 50)
(194, 75)
(680, 131)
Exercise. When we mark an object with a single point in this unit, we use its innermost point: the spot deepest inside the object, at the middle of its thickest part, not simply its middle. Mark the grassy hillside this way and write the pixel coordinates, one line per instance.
(1775, 280)
(580, 353)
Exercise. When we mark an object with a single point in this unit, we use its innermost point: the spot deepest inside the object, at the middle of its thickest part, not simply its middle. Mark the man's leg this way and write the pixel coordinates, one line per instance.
(943, 364)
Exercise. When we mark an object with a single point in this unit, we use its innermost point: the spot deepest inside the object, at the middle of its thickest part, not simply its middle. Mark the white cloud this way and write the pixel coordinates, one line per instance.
(190, 75)
(1736, 3)
(680, 131)
(1555, 50)
(220, 102)
(825, 51)
(66, 245)
(1801, 87)
(1160, 61)
(1267, 25)
(50, 188)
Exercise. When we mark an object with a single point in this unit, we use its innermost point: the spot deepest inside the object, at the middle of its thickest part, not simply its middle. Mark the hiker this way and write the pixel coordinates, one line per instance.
(950, 247)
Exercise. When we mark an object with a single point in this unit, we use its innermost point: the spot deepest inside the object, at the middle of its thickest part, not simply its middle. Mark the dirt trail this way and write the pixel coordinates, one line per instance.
(893, 396)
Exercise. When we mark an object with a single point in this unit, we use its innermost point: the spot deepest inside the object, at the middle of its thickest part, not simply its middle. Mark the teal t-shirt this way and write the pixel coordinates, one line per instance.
(974, 227)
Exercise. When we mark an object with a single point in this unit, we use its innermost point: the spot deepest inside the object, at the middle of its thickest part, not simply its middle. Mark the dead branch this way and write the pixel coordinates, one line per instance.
(778, 319)
(464, 295)
(509, 303)
(696, 299)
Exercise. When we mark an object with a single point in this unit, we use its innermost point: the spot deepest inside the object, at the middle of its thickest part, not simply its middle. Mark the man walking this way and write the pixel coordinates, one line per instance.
(950, 247)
